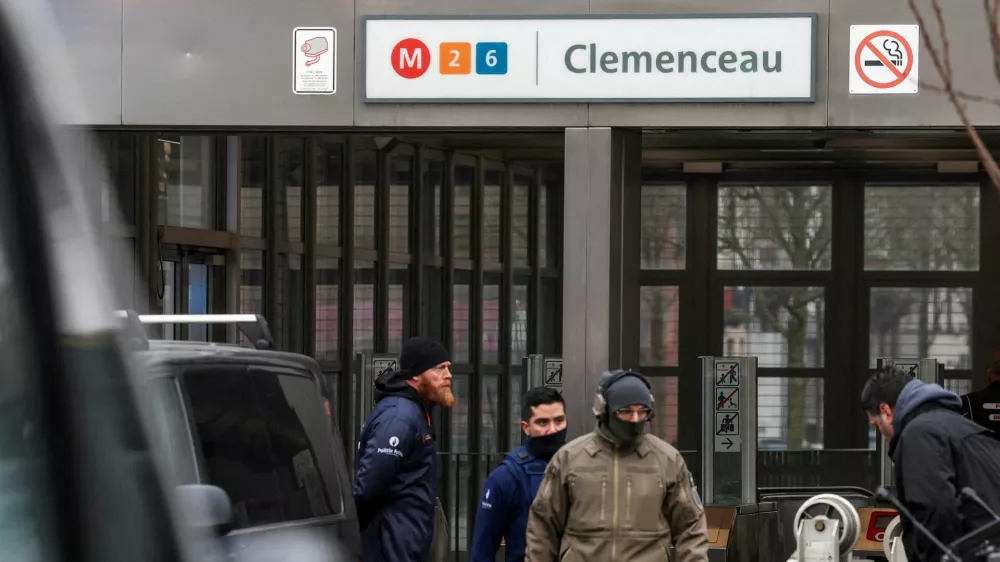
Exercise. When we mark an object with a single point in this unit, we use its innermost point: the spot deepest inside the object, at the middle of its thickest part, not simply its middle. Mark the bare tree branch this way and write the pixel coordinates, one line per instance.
(993, 22)
(962, 95)
(943, 66)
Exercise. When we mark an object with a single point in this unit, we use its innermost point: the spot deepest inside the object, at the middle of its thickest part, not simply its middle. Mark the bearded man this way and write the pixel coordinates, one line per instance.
(395, 489)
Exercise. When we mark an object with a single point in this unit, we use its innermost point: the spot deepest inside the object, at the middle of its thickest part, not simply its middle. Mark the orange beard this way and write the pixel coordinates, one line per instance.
(442, 396)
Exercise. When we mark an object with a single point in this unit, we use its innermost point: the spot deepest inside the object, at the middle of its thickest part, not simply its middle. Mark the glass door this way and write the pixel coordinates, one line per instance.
(194, 283)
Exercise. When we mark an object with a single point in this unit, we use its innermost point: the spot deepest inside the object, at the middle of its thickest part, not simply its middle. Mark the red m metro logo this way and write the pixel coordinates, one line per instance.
(411, 58)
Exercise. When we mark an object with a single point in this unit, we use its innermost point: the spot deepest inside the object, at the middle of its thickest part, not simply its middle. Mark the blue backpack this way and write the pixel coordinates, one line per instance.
(529, 472)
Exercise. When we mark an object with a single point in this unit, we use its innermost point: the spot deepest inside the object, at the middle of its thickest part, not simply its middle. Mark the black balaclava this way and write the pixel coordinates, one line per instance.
(544, 446)
(627, 391)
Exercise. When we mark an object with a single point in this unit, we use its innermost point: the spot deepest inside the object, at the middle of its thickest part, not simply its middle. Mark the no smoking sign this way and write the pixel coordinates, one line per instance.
(884, 59)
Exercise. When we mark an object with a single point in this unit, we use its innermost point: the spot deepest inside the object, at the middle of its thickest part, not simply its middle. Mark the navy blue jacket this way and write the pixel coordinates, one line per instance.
(396, 484)
(504, 507)
(936, 452)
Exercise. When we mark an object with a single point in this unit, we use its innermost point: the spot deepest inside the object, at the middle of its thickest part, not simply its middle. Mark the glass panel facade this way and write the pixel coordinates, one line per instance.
(186, 181)
(664, 226)
(782, 326)
(766, 227)
(922, 228)
(922, 322)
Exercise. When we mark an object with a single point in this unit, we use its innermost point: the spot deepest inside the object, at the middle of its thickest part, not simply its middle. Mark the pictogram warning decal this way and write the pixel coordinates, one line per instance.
(884, 59)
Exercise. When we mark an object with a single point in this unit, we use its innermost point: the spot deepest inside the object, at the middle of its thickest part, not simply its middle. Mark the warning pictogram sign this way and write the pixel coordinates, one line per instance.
(884, 59)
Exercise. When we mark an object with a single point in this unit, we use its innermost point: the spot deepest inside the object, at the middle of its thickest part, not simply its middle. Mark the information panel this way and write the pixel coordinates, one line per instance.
(729, 452)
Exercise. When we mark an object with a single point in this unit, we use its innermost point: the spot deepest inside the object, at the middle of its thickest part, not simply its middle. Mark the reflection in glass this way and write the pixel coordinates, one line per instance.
(433, 303)
(328, 173)
(519, 319)
(775, 227)
(239, 413)
(550, 324)
(399, 306)
(663, 226)
(461, 317)
(186, 181)
(546, 243)
(520, 231)
(922, 322)
(327, 303)
(958, 386)
(197, 299)
(462, 210)
(291, 171)
(789, 413)
(431, 207)
(489, 441)
(782, 326)
(291, 298)
(665, 424)
(659, 313)
(491, 318)
(461, 466)
(251, 286)
(169, 301)
(516, 432)
(492, 193)
(252, 178)
(365, 177)
(922, 228)
(400, 177)
(364, 306)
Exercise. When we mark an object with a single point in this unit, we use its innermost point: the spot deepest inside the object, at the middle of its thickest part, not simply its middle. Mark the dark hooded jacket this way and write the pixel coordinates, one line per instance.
(936, 452)
(396, 483)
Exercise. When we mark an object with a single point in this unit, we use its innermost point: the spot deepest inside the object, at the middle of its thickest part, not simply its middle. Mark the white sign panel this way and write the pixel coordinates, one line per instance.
(912, 369)
(315, 60)
(590, 59)
(884, 59)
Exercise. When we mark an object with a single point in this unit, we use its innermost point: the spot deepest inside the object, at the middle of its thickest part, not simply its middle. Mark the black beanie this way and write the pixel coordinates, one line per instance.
(420, 354)
(627, 391)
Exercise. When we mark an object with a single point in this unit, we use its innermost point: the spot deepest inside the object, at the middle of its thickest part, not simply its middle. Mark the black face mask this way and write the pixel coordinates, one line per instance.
(544, 446)
(625, 432)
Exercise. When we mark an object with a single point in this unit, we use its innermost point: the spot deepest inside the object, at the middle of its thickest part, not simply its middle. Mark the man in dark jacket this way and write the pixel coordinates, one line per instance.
(512, 486)
(935, 452)
(983, 406)
(395, 489)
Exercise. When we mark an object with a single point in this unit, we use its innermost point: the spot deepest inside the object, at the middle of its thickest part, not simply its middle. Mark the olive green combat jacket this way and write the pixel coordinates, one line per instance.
(599, 502)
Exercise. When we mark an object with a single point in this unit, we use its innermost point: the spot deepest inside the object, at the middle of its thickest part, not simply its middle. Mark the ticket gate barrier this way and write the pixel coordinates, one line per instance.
(740, 527)
(927, 370)
(828, 526)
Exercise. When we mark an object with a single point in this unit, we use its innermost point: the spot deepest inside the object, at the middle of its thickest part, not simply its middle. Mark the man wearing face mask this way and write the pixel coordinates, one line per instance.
(510, 489)
(617, 494)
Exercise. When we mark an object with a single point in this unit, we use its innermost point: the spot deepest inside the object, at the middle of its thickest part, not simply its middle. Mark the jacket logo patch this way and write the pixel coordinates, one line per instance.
(486, 504)
(391, 449)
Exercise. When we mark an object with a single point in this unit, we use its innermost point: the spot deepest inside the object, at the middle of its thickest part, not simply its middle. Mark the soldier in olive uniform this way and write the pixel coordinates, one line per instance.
(617, 494)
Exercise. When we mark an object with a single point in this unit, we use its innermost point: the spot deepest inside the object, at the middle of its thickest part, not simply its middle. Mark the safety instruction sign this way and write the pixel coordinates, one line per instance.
(884, 59)
(911, 369)
(553, 373)
(727, 373)
(727, 399)
(315, 60)
(379, 366)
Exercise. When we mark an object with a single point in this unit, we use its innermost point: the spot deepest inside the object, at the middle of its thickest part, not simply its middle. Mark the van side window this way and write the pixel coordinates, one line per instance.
(260, 432)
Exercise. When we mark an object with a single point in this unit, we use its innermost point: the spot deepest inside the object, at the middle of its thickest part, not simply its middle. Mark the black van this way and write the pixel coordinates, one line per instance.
(257, 424)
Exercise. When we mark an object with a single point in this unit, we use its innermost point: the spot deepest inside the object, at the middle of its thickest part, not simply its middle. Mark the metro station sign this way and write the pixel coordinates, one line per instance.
(761, 58)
